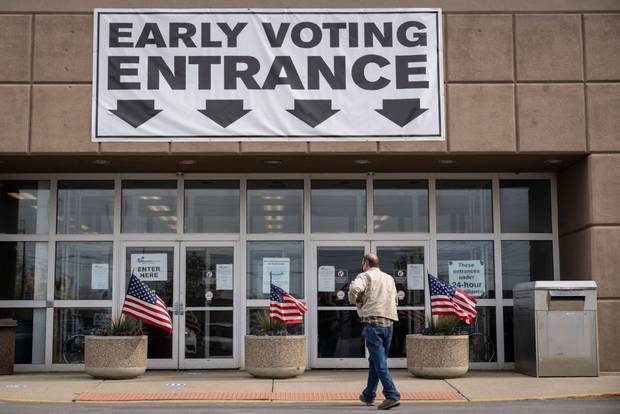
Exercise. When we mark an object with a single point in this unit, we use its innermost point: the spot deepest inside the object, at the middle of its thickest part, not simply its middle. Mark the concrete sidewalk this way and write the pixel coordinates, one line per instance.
(315, 385)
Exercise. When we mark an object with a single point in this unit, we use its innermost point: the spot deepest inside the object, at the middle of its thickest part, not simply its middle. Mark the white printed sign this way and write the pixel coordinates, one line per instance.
(224, 276)
(415, 276)
(468, 275)
(327, 279)
(267, 74)
(150, 267)
(276, 270)
(99, 276)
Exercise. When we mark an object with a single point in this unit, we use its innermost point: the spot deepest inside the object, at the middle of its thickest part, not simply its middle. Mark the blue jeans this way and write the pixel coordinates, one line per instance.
(378, 340)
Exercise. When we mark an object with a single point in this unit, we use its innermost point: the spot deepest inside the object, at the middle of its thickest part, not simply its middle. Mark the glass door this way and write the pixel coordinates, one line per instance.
(207, 303)
(337, 338)
(156, 263)
(407, 263)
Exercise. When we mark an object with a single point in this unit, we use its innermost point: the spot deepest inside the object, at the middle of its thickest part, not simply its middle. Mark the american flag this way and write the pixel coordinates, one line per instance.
(145, 305)
(285, 308)
(450, 300)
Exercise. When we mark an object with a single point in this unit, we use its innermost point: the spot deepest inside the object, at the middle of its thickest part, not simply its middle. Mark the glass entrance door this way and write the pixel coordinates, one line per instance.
(337, 331)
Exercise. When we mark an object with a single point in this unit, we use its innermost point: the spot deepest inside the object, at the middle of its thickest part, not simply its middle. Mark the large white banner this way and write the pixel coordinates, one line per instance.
(268, 74)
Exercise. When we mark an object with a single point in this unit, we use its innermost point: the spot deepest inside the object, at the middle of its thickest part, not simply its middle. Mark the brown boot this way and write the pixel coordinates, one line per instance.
(387, 404)
(365, 401)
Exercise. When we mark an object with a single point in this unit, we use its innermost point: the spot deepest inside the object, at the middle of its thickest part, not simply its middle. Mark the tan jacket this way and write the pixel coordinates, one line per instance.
(374, 294)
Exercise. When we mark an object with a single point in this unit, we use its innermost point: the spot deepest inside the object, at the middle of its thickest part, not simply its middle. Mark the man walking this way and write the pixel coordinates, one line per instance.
(374, 294)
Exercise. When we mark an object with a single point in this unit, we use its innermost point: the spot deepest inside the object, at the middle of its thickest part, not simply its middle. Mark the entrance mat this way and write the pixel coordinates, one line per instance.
(256, 396)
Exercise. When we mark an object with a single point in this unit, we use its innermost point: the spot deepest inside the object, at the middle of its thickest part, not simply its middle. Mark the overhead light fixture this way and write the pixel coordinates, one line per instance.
(22, 196)
(101, 162)
(187, 162)
(272, 162)
(361, 162)
(446, 162)
(274, 218)
(271, 207)
(158, 208)
(150, 198)
(553, 161)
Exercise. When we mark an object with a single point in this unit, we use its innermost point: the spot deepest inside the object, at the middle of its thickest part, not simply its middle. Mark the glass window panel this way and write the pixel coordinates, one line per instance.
(254, 326)
(338, 206)
(474, 256)
(85, 207)
(483, 336)
(83, 270)
(208, 334)
(525, 261)
(394, 261)
(163, 288)
(340, 334)
(275, 206)
(409, 322)
(509, 344)
(525, 206)
(211, 207)
(201, 265)
(24, 270)
(24, 207)
(29, 334)
(258, 285)
(400, 206)
(71, 325)
(464, 206)
(149, 207)
(347, 264)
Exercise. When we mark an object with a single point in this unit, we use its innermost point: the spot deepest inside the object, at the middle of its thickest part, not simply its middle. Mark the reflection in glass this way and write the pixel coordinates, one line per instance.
(85, 207)
(482, 336)
(254, 327)
(509, 345)
(275, 206)
(398, 262)
(400, 206)
(24, 206)
(340, 334)
(464, 206)
(211, 207)
(258, 283)
(202, 265)
(24, 270)
(29, 334)
(208, 334)
(71, 325)
(338, 206)
(525, 206)
(450, 254)
(83, 270)
(346, 264)
(409, 322)
(525, 261)
(149, 207)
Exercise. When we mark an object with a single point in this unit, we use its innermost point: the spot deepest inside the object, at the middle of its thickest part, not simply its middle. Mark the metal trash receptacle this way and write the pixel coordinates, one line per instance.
(7, 345)
(555, 329)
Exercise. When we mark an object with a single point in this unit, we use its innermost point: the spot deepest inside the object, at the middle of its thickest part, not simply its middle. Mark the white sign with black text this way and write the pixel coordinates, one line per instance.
(150, 267)
(267, 74)
(468, 275)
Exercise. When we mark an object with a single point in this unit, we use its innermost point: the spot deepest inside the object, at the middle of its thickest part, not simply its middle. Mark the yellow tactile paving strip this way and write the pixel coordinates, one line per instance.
(256, 396)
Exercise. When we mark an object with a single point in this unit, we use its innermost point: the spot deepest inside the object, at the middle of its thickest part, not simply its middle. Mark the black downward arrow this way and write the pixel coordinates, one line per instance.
(313, 111)
(401, 111)
(224, 111)
(135, 111)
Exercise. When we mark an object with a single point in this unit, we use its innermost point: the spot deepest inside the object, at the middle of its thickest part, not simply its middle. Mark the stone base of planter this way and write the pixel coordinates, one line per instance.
(115, 357)
(438, 356)
(275, 356)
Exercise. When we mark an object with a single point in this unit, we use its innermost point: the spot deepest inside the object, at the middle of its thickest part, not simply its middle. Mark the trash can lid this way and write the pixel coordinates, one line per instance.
(7, 323)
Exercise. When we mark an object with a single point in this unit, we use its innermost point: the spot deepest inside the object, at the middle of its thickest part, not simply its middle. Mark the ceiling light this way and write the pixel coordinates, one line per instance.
(362, 162)
(22, 196)
(101, 162)
(553, 161)
(187, 162)
(269, 207)
(158, 208)
(168, 218)
(272, 162)
(274, 218)
(446, 162)
(150, 198)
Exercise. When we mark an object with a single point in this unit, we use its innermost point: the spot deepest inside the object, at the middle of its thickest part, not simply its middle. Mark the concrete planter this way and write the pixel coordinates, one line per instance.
(115, 357)
(431, 356)
(275, 356)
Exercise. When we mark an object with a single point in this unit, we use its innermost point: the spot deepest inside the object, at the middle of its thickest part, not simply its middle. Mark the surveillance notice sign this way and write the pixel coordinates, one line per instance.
(267, 74)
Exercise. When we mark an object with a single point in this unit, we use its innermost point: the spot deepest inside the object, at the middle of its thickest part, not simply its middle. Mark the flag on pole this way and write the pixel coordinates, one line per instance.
(145, 305)
(285, 308)
(449, 300)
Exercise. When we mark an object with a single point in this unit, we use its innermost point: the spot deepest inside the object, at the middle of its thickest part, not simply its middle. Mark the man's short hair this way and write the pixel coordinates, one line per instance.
(372, 259)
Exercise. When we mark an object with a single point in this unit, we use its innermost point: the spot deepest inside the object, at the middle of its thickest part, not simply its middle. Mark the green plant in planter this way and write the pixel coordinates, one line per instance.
(270, 327)
(122, 326)
(443, 326)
